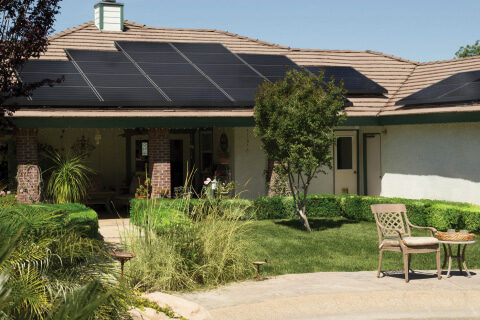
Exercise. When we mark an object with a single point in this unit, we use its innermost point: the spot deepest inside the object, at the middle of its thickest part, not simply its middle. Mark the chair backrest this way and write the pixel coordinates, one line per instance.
(390, 217)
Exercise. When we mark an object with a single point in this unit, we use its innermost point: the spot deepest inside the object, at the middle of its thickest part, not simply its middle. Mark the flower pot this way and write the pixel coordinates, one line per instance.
(141, 197)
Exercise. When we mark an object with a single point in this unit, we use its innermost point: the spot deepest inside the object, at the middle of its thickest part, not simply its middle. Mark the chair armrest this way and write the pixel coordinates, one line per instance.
(431, 229)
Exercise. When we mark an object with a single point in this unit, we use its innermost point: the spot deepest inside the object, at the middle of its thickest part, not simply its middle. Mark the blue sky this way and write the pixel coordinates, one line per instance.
(421, 30)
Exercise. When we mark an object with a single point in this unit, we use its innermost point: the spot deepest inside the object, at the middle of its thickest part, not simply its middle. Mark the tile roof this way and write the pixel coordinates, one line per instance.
(399, 76)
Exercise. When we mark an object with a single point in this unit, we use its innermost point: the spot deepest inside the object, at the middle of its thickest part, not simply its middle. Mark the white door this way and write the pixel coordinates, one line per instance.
(345, 154)
(374, 167)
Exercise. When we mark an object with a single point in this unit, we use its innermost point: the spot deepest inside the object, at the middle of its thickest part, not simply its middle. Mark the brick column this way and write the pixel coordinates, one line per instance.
(28, 171)
(159, 160)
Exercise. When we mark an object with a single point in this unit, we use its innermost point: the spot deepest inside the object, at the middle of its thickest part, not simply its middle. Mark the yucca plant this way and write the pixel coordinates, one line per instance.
(69, 178)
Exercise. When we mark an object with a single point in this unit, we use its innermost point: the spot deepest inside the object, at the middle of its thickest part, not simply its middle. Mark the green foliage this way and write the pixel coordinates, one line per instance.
(69, 178)
(203, 245)
(8, 201)
(469, 50)
(274, 207)
(295, 119)
(39, 217)
(52, 261)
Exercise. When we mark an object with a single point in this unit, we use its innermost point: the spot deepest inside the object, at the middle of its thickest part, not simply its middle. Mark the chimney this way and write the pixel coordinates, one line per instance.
(109, 15)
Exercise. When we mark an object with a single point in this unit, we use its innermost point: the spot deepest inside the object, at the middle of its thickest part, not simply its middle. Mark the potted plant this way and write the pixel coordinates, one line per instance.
(143, 190)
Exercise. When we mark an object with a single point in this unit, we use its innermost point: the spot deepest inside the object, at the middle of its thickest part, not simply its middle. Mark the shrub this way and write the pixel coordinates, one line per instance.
(274, 208)
(358, 207)
(38, 217)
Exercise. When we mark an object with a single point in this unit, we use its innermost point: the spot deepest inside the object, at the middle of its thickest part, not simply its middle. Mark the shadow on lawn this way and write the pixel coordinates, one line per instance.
(316, 224)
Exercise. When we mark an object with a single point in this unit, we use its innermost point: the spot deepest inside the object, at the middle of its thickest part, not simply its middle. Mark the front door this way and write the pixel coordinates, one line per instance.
(345, 154)
(176, 164)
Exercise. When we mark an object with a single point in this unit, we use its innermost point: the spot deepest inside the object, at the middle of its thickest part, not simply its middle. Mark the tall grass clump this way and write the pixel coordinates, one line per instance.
(187, 245)
(69, 178)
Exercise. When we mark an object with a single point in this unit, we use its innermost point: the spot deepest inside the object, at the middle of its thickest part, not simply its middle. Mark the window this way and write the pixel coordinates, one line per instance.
(344, 153)
(141, 155)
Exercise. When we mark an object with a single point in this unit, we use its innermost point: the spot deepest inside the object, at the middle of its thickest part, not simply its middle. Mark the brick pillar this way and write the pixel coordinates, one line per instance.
(28, 171)
(159, 161)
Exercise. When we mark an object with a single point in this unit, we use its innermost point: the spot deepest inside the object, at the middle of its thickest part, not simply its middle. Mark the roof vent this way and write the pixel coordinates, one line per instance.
(109, 15)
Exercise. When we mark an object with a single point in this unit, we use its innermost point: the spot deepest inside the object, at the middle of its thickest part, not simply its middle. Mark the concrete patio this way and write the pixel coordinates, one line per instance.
(345, 295)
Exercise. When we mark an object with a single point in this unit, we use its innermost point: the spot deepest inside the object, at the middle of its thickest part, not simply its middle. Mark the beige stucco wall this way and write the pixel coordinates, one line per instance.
(249, 163)
(107, 159)
(436, 161)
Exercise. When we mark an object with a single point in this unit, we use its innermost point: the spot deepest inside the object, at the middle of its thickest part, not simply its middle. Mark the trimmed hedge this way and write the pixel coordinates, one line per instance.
(74, 215)
(442, 215)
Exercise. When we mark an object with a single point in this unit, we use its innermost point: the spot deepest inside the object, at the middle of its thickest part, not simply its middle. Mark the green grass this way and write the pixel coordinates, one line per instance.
(335, 244)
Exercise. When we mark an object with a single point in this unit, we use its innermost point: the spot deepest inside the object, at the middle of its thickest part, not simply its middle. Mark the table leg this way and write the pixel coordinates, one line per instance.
(459, 258)
(445, 255)
(449, 260)
(464, 263)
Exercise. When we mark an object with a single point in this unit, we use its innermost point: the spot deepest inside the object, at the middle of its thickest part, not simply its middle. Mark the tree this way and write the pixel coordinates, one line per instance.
(469, 50)
(295, 119)
(24, 29)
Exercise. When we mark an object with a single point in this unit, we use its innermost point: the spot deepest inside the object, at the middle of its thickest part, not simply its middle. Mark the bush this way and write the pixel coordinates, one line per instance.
(63, 216)
(274, 208)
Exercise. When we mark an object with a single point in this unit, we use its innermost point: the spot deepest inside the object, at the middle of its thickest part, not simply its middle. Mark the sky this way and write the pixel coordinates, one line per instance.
(420, 30)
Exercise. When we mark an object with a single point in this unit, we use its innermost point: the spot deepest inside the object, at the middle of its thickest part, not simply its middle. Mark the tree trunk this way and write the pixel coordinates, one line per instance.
(303, 219)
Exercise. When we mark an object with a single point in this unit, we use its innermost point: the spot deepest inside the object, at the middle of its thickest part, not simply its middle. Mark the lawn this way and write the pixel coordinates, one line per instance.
(335, 244)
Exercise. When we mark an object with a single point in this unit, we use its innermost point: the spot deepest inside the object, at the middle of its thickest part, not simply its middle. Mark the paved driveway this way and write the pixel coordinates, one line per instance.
(111, 229)
(346, 295)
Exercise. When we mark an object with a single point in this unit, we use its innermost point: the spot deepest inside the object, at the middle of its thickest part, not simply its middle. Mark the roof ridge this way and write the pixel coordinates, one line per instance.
(391, 56)
(236, 35)
(70, 30)
(449, 60)
(394, 95)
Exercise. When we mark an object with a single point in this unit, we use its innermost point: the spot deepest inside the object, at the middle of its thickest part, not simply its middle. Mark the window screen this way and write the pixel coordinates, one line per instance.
(344, 153)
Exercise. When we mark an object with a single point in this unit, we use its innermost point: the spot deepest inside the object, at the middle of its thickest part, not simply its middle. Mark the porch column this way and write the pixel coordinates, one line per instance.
(159, 161)
(28, 171)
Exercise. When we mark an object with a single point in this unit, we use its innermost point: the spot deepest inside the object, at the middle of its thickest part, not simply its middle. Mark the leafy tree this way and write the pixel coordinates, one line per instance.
(469, 50)
(295, 119)
(24, 29)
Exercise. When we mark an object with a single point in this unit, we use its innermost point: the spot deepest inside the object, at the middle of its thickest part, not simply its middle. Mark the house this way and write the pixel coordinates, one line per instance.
(170, 98)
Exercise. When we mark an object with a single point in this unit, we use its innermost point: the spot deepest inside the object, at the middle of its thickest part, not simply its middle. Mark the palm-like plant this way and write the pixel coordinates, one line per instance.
(69, 178)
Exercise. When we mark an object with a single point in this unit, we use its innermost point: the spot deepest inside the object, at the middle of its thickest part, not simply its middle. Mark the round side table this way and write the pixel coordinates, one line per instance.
(460, 255)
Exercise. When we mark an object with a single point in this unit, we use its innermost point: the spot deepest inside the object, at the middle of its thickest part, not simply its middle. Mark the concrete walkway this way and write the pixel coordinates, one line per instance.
(111, 229)
(345, 295)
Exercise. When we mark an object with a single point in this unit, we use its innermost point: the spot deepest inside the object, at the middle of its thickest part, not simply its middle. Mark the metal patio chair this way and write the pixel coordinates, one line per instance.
(394, 235)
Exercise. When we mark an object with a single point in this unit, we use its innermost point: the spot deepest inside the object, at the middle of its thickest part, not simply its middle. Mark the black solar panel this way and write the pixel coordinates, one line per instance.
(172, 73)
(271, 66)
(114, 76)
(72, 88)
(354, 81)
(229, 72)
(461, 87)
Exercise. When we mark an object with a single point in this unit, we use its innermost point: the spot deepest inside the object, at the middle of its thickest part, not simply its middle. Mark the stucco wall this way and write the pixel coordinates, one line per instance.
(249, 163)
(439, 161)
(107, 159)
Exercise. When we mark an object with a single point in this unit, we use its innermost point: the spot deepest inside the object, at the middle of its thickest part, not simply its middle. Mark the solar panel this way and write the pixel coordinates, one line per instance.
(460, 87)
(354, 82)
(72, 88)
(171, 72)
(271, 66)
(229, 72)
(114, 76)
